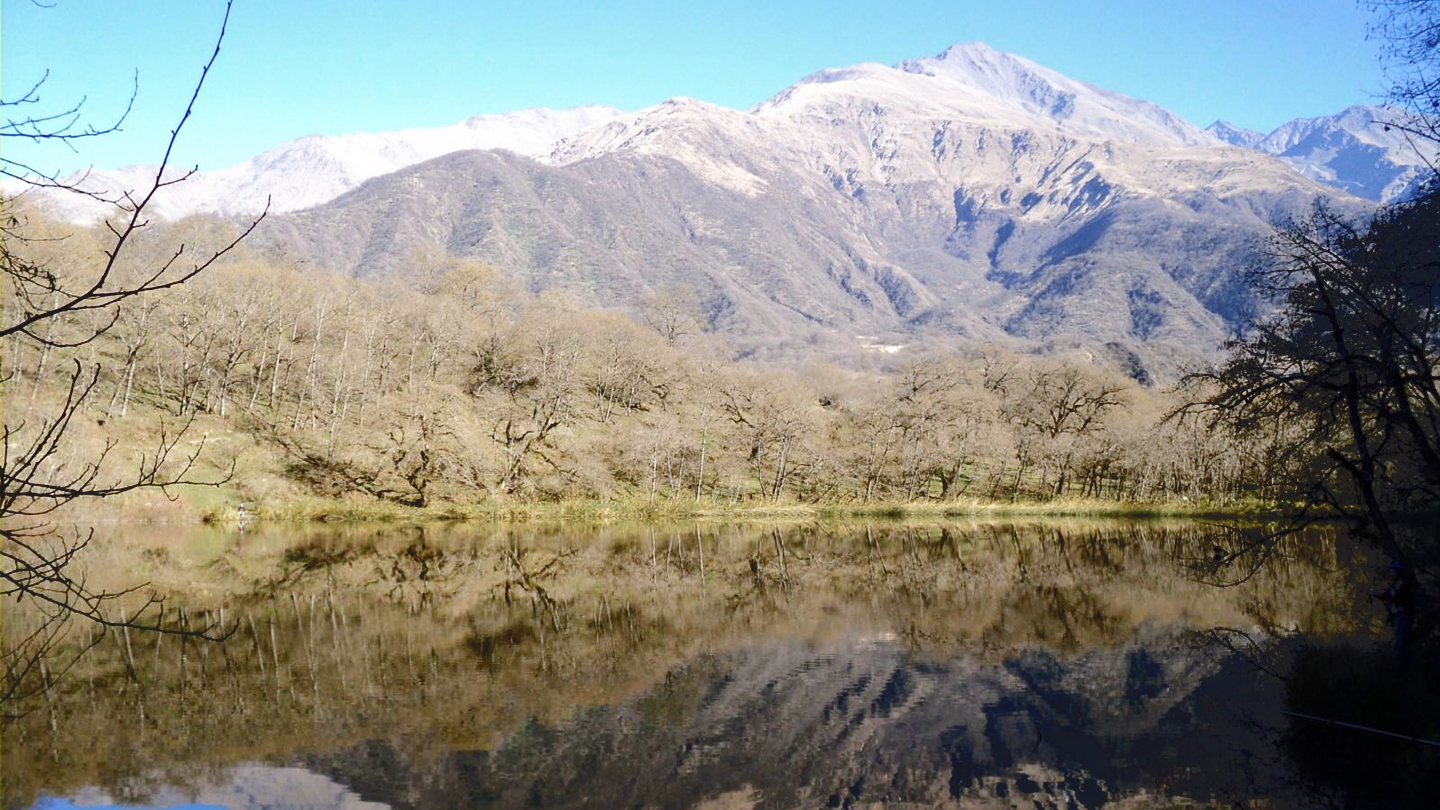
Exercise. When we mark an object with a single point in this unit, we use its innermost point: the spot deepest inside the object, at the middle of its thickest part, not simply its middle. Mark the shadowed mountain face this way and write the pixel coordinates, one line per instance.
(971, 197)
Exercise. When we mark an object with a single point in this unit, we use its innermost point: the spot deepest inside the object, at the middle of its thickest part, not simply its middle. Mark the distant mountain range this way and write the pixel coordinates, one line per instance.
(972, 196)
(1355, 151)
(318, 168)
(1359, 151)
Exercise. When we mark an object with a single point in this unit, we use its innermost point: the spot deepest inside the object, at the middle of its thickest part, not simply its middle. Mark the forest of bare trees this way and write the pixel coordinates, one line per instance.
(457, 386)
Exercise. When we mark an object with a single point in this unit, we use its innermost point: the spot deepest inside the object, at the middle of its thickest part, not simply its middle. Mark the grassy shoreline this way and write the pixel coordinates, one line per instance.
(215, 508)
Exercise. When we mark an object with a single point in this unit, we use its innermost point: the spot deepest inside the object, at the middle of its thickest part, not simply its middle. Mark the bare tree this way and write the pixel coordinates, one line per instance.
(1350, 359)
(1409, 35)
(38, 471)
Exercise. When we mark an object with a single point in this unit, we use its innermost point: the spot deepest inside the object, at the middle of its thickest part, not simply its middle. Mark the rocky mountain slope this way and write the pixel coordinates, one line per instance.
(1357, 151)
(317, 168)
(971, 196)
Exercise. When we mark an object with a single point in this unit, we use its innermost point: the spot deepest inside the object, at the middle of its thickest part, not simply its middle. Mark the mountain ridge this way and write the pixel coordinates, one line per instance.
(314, 169)
(1042, 91)
(898, 204)
(1362, 150)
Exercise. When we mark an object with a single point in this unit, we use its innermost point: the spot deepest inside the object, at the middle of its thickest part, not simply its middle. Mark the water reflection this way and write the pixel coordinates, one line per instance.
(1064, 664)
(789, 725)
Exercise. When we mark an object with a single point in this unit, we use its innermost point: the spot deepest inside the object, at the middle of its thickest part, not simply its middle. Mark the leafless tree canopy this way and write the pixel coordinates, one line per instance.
(1350, 361)
(1408, 32)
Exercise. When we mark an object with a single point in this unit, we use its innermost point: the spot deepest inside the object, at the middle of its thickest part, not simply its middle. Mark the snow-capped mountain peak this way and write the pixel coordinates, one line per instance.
(1044, 92)
(1362, 123)
(836, 120)
(1363, 150)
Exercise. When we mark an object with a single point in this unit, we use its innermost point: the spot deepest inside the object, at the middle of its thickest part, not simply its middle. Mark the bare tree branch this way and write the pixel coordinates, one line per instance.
(40, 469)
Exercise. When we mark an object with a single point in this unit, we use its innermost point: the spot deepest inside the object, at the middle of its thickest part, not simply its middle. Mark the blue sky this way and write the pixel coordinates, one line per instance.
(296, 67)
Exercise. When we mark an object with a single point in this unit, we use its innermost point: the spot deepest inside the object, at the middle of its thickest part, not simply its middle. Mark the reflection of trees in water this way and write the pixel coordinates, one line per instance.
(1341, 669)
(449, 638)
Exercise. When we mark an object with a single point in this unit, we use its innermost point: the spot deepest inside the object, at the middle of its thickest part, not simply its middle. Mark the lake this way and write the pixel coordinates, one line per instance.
(1035, 664)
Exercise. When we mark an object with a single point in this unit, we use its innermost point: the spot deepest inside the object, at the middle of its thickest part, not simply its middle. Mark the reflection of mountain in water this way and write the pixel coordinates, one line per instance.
(1031, 664)
(787, 726)
(253, 787)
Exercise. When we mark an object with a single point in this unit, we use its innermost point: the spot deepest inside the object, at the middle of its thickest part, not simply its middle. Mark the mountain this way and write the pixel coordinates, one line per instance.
(973, 196)
(1349, 151)
(1357, 151)
(317, 168)
(1158, 719)
(1235, 136)
(1077, 106)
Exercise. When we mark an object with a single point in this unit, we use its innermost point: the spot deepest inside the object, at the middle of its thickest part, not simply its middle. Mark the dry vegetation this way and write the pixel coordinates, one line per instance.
(457, 392)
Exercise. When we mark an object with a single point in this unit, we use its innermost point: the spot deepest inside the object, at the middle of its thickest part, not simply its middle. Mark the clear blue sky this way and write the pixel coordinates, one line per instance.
(296, 67)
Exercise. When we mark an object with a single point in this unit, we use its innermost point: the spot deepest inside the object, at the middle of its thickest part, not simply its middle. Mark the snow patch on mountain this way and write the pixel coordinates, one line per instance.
(999, 132)
(970, 116)
(680, 129)
(1358, 150)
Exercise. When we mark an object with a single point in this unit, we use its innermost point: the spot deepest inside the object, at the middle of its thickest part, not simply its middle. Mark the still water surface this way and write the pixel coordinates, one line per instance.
(1073, 664)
